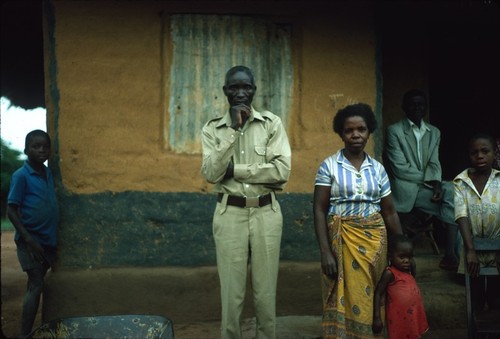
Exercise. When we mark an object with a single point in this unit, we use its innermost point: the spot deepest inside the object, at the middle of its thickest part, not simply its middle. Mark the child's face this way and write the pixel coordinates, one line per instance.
(481, 154)
(402, 256)
(38, 150)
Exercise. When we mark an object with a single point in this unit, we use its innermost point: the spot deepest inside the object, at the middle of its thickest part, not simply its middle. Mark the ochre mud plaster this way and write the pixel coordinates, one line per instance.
(109, 124)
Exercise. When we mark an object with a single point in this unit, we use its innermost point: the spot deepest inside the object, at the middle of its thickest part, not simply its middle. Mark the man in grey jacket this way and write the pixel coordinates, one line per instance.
(412, 161)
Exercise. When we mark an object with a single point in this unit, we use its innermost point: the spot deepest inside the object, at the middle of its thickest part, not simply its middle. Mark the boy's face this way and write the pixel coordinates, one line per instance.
(481, 154)
(38, 150)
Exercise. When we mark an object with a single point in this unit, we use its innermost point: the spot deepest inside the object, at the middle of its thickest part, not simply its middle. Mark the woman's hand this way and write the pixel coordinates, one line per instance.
(329, 265)
(377, 325)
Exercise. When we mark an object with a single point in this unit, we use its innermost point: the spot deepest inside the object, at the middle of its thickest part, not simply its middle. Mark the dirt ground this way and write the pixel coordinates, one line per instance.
(303, 292)
(200, 302)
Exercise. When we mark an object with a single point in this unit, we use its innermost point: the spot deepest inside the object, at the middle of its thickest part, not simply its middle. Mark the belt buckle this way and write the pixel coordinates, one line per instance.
(251, 202)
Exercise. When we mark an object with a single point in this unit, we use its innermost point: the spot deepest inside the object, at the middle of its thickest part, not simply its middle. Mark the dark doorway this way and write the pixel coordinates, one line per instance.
(451, 50)
(464, 86)
(22, 53)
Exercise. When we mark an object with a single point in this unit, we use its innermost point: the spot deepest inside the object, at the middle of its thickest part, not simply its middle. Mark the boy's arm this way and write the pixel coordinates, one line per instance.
(34, 247)
(473, 266)
(386, 279)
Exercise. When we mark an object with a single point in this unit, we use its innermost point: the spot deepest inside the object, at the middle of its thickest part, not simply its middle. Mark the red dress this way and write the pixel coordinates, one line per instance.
(405, 313)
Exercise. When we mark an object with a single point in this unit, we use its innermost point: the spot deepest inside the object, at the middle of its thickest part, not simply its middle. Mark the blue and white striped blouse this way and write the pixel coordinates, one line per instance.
(353, 192)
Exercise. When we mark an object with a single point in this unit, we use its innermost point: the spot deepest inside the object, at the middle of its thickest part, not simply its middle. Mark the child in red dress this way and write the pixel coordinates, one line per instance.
(405, 313)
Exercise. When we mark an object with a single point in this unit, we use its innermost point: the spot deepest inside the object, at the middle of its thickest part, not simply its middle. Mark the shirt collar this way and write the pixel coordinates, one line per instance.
(226, 120)
(30, 169)
(423, 125)
(367, 161)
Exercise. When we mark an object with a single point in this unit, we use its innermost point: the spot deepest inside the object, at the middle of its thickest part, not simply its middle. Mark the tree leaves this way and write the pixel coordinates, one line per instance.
(10, 162)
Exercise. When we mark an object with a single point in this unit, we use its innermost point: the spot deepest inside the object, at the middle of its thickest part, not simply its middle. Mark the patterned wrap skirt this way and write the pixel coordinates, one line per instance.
(360, 246)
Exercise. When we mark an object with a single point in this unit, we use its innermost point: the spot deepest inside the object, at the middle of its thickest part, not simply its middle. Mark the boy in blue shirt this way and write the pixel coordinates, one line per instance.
(34, 212)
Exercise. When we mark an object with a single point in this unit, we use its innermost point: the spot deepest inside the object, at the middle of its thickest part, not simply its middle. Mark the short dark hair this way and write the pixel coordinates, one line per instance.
(413, 93)
(356, 110)
(396, 239)
(239, 68)
(483, 135)
(35, 133)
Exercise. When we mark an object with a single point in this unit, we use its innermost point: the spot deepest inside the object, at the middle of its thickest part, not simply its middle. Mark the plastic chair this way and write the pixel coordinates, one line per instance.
(107, 326)
(416, 223)
(481, 323)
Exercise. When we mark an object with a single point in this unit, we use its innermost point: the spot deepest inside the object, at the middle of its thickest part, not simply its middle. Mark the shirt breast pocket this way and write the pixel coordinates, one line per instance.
(260, 152)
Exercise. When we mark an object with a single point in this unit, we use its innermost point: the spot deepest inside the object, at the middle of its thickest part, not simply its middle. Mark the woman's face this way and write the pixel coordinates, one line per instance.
(355, 134)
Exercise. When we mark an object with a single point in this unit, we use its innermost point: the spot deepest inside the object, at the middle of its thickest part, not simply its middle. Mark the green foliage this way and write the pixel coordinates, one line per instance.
(10, 163)
(7, 225)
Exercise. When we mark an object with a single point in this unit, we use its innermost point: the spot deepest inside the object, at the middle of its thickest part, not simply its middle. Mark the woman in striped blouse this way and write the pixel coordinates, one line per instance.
(353, 214)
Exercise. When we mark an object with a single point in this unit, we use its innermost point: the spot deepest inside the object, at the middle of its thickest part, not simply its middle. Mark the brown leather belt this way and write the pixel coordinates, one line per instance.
(234, 200)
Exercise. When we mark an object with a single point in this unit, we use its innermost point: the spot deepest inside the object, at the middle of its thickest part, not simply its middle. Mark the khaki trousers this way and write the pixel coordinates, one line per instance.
(248, 236)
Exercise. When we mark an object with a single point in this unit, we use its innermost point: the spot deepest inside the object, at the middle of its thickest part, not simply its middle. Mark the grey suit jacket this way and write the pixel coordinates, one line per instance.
(401, 162)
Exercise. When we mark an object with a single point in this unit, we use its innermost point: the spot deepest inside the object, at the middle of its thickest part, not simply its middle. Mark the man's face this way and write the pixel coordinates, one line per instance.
(415, 108)
(239, 89)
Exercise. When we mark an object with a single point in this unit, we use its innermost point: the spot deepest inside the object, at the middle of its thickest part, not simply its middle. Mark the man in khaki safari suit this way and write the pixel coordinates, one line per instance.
(247, 156)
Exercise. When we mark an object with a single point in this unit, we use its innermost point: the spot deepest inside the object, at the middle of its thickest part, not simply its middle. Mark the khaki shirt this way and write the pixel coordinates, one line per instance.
(260, 152)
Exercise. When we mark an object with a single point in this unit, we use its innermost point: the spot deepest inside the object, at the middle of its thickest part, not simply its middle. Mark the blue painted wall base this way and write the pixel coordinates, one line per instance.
(157, 229)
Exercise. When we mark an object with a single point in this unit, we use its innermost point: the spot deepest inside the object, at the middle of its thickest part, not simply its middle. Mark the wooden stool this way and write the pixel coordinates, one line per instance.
(482, 323)
(416, 223)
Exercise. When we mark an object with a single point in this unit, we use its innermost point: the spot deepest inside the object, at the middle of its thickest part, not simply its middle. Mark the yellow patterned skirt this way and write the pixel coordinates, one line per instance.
(360, 244)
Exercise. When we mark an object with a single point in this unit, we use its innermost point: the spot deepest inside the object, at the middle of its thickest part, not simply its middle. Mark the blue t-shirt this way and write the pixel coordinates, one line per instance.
(37, 200)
